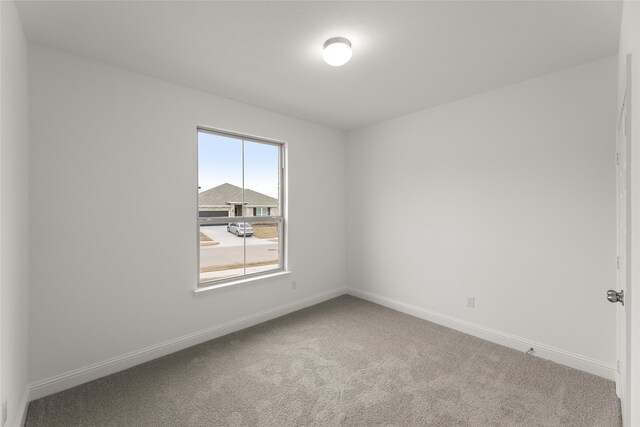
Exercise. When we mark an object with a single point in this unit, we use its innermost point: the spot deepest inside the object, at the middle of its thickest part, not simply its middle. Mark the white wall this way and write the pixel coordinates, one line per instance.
(113, 208)
(630, 43)
(508, 196)
(14, 213)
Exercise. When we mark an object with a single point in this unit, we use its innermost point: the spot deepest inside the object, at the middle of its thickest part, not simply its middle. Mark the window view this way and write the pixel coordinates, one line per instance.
(239, 207)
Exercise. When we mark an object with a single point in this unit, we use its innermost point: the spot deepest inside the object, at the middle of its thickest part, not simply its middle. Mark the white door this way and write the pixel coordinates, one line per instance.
(623, 207)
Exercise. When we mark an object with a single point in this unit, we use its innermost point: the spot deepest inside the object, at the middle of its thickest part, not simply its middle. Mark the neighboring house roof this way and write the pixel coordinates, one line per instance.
(228, 194)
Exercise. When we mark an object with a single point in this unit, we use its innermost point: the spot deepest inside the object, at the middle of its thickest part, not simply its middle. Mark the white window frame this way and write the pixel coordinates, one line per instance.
(279, 219)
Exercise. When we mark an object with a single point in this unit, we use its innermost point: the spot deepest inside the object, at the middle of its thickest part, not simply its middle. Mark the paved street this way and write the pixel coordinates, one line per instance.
(234, 272)
(231, 252)
(225, 255)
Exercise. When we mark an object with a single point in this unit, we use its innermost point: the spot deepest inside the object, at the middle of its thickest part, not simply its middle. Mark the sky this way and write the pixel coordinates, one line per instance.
(220, 161)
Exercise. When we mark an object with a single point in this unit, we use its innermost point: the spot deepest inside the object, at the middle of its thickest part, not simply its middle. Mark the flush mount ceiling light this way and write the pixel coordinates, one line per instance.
(337, 51)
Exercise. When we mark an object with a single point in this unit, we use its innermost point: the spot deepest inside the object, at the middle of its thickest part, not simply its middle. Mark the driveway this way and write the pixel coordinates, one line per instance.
(226, 239)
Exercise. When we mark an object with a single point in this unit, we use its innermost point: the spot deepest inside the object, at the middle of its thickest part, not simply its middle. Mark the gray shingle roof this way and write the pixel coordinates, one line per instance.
(228, 194)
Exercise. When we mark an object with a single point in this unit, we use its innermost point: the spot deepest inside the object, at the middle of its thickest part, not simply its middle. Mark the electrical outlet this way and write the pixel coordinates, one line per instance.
(294, 284)
(4, 412)
(471, 301)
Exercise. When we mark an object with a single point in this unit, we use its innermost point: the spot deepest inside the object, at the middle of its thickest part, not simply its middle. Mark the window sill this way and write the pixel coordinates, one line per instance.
(212, 287)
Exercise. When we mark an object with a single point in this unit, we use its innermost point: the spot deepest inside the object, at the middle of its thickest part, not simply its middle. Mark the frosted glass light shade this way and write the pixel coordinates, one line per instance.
(337, 51)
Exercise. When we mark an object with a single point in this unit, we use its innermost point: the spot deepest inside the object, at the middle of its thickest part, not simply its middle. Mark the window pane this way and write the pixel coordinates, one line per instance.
(239, 182)
(221, 252)
(263, 248)
(219, 175)
(261, 178)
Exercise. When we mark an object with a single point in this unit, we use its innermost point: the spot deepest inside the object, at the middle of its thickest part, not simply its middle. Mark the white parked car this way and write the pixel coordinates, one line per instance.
(240, 229)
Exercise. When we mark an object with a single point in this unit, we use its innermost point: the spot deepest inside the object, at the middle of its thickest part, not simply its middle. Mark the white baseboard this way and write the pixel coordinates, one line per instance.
(557, 355)
(94, 371)
(22, 408)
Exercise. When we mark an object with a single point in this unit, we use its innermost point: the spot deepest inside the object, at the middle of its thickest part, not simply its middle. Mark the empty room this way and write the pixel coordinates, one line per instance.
(319, 213)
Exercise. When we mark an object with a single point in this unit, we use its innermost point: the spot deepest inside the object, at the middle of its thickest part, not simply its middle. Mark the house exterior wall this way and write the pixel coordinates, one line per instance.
(247, 210)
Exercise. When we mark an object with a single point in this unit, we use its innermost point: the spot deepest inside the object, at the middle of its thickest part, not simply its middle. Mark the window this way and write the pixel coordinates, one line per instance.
(240, 193)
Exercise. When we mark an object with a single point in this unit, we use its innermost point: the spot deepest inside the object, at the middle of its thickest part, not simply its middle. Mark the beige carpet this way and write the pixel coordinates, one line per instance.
(344, 362)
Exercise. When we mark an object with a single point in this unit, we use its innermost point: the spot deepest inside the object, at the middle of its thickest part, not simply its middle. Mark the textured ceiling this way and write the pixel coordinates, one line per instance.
(407, 56)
